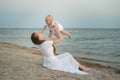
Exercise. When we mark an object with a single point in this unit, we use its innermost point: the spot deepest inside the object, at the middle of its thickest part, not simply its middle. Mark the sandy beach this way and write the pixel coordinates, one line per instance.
(20, 63)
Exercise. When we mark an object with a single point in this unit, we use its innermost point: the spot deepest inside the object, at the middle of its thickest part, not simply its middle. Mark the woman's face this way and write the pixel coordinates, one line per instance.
(40, 35)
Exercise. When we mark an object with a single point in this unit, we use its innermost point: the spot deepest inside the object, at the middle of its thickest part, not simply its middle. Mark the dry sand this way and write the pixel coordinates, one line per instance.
(20, 63)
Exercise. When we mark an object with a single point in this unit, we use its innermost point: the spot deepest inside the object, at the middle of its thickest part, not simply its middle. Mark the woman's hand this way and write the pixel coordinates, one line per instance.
(51, 30)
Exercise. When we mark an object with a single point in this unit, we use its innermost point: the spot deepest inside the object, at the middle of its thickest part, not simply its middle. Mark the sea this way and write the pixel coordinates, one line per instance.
(97, 45)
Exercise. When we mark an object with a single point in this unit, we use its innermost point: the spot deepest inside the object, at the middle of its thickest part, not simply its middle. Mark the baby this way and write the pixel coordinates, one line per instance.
(51, 24)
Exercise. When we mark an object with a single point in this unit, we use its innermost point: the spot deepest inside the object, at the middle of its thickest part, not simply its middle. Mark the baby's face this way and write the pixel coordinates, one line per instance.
(48, 20)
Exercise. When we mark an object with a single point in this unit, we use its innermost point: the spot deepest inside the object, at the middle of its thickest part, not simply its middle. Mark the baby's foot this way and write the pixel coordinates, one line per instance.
(69, 36)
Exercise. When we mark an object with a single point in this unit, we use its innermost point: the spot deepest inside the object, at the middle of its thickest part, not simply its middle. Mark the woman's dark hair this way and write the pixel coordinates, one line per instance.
(35, 39)
(54, 50)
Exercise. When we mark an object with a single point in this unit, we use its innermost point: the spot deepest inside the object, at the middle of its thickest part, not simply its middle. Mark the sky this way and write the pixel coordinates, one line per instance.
(70, 13)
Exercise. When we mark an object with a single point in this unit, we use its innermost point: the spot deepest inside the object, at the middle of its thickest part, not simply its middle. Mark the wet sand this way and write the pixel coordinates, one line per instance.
(20, 63)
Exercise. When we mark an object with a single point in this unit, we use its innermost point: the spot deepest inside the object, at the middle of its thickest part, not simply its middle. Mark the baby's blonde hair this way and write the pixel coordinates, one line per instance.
(49, 16)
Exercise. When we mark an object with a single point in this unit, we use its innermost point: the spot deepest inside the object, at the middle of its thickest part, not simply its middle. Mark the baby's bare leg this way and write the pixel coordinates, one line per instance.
(66, 33)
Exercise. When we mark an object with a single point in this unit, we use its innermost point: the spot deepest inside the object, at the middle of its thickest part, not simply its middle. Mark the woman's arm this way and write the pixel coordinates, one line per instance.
(44, 28)
(50, 36)
(59, 36)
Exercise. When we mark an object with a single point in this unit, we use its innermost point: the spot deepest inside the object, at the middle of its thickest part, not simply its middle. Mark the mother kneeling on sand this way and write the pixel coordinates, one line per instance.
(62, 62)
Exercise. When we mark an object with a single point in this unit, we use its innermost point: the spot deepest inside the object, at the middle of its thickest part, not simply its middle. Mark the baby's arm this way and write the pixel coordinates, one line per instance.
(43, 29)
(54, 27)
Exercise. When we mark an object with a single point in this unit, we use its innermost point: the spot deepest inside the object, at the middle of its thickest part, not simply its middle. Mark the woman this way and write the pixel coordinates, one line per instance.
(62, 62)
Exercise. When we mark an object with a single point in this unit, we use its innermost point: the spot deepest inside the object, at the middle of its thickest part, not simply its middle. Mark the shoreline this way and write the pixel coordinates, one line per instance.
(104, 63)
(21, 63)
(82, 58)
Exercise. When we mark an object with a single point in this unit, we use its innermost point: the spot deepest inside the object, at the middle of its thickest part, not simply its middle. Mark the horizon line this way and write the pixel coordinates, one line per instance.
(64, 28)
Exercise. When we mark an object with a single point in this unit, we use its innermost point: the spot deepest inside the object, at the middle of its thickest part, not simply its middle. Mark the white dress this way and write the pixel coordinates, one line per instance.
(62, 62)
